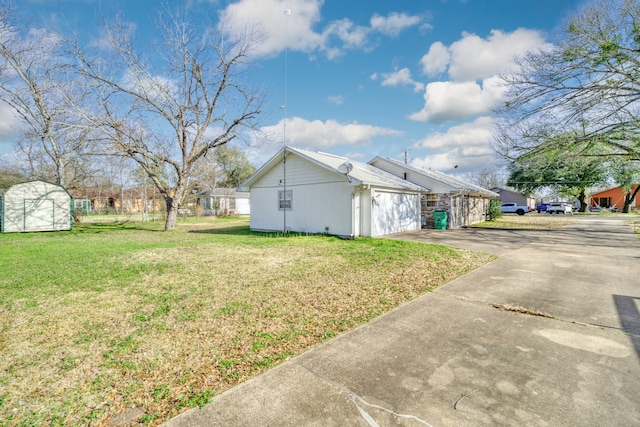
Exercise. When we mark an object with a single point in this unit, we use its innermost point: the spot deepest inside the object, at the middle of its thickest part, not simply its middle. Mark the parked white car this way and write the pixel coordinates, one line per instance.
(514, 208)
(560, 208)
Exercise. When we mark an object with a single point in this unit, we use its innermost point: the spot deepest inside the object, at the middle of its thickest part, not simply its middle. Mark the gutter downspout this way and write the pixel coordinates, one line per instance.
(353, 214)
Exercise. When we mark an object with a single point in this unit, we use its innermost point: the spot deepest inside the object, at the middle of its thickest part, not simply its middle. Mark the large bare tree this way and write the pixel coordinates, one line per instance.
(587, 83)
(37, 82)
(167, 105)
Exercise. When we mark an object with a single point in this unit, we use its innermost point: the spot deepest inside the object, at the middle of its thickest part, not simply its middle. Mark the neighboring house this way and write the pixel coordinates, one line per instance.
(464, 202)
(612, 197)
(509, 195)
(132, 200)
(35, 206)
(224, 201)
(313, 192)
(97, 200)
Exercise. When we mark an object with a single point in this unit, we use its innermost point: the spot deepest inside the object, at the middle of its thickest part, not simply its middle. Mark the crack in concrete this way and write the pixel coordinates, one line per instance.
(522, 310)
(354, 398)
(530, 312)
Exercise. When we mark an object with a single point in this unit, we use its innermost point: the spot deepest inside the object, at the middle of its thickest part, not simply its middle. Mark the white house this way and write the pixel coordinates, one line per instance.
(465, 203)
(313, 192)
(36, 206)
(224, 201)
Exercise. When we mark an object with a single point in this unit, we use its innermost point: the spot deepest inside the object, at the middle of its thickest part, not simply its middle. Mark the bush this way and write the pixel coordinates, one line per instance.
(494, 209)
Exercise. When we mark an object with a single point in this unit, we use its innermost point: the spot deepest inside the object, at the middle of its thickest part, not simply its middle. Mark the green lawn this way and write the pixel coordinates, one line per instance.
(113, 315)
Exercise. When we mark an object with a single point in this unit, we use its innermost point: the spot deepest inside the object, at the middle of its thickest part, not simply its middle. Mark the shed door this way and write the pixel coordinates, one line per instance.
(38, 214)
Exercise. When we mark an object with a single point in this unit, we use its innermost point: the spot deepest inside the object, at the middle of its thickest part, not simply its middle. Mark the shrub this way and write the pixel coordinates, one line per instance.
(494, 209)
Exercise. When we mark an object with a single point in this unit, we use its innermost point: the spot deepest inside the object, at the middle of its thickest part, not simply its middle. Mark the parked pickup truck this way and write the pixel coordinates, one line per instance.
(514, 208)
(542, 207)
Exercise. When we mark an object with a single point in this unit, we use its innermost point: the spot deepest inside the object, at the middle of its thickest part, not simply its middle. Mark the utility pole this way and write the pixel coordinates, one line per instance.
(287, 13)
(405, 155)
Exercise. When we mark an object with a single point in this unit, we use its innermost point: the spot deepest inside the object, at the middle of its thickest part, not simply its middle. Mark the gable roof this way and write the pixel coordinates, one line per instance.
(360, 174)
(499, 190)
(441, 178)
(18, 184)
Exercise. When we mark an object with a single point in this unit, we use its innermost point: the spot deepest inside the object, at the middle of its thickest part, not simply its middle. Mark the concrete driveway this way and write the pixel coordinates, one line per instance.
(546, 335)
(493, 241)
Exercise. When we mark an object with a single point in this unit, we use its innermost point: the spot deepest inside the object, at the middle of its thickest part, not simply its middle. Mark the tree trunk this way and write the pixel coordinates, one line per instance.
(173, 203)
(629, 198)
(60, 171)
(582, 198)
(627, 202)
(172, 214)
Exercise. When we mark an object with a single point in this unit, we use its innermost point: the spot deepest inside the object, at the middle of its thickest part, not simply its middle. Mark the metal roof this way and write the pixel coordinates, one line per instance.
(360, 173)
(451, 181)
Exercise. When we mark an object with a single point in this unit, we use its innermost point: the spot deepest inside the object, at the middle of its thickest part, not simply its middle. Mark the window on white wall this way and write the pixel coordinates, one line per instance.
(285, 198)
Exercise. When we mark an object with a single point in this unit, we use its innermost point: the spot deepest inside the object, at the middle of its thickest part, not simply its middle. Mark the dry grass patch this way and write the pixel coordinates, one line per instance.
(180, 317)
(530, 221)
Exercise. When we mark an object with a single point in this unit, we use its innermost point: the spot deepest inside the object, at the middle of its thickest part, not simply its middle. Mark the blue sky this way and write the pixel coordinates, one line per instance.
(366, 78)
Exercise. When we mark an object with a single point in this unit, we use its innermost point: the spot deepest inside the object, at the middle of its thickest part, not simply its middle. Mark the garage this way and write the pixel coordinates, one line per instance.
(395, 212)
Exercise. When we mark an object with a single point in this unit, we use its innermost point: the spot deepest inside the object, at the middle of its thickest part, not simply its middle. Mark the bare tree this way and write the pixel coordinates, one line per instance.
(226, 166)
(587, 83)
(489, 177)
(37, 83)
(168, 111)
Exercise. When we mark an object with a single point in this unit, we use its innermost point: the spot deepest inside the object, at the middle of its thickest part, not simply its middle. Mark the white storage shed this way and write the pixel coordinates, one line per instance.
(312, 192)
(35, 206)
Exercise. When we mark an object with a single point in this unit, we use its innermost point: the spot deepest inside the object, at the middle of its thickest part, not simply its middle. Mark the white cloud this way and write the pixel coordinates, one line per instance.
(317, 134)
(401, 77)
(336, 99)
(480, 131)
(467, 146)
(436, 60)
(297, 32)
(475, 58)
(45, 39)
(9, 122)
(278, 29)
(104, 40)
(156, 87)
(393, 24)
(447, 101)
(352, 36)
(472, 64)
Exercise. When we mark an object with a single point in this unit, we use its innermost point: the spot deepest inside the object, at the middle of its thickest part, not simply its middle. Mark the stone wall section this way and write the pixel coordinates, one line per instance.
(462, 210)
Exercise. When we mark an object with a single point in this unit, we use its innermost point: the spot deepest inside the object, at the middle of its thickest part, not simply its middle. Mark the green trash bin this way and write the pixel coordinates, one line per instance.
(440, 220)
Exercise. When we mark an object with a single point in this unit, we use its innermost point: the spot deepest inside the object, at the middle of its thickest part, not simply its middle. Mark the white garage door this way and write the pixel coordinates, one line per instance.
(394, 213)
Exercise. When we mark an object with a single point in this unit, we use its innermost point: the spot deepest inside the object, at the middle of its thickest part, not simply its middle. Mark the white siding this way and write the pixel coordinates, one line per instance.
(36, 206)
(320, 200)
(395, 212)
(325, 201)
